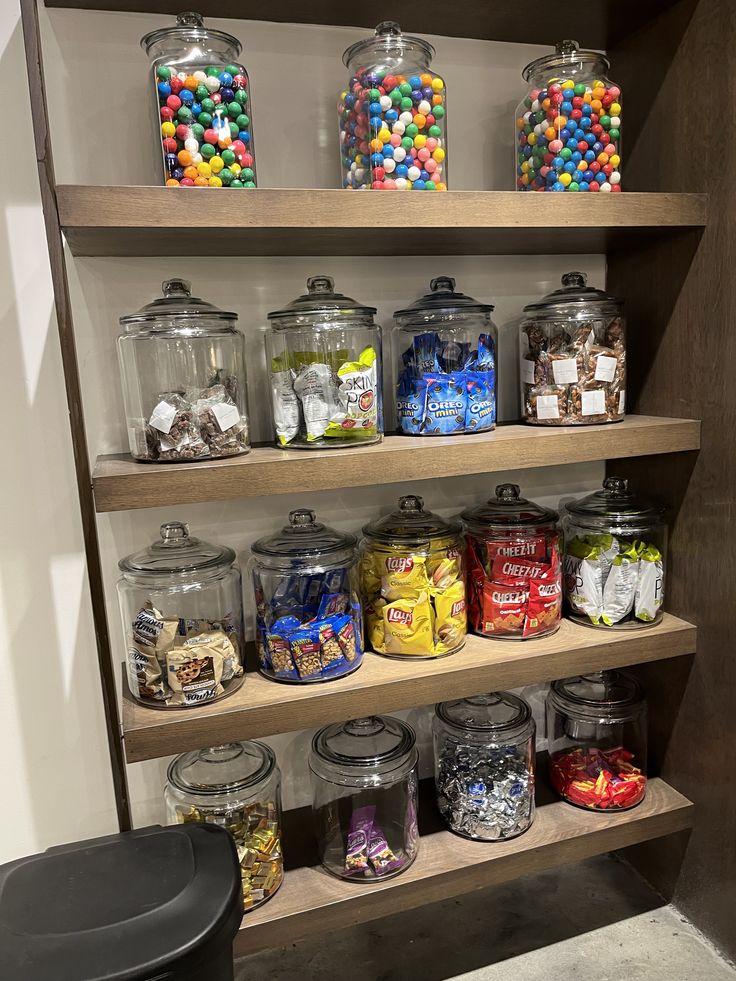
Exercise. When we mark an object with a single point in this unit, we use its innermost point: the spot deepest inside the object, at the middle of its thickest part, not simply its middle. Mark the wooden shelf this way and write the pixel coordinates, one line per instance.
(501, 20)
(310, 901)
(158, 221)
(121, 484)
(263, 707)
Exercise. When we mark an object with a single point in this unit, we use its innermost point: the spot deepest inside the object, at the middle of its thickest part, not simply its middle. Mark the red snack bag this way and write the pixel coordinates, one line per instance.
(504, 608)
(533, 548)
(509, 570)
(544, 607)
(476, 580)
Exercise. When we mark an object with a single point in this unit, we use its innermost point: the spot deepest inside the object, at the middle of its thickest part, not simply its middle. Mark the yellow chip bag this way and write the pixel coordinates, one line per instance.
(408, 626)
(451, 624)
(403, 572)
(374, 624)
(370, 576)
(443, 570)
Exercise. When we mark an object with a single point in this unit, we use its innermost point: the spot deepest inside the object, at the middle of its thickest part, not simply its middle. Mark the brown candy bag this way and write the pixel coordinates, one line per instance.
(194, 669)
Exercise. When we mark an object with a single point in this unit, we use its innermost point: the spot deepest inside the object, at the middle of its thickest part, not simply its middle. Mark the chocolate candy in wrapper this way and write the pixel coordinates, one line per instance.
(408, 626)
(619, 590)
(650, 585)
(361, 827)
(382, 860)
(306, 651)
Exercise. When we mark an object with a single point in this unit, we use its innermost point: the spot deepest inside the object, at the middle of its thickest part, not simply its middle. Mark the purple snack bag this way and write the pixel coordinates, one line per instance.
(380, 856)
(361, 827)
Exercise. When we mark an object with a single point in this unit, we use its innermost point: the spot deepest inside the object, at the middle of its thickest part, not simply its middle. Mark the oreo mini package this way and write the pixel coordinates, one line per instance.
(445, 408)
(480, 409)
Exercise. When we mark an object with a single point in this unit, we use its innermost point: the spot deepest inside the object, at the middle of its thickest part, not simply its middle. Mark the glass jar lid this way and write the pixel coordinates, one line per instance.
(222, 769)
(498, 713)
(375, 741)
(389, 42)
(410, 524)
(320, 304)
(615, 507)
(190, 29)
(508, 511)
(176, 307)
(305, 538)
(441, 303)
(567, 57)
(574, 294)
(177, 552)
(599, 695)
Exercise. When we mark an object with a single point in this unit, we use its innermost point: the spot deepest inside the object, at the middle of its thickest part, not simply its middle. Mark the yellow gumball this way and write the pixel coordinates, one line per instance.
(531, 139)
(420, 141)
(215, 182)
(235, 169)
(565, 179)
(525, 167)
(204, 169)
(168, 129)
(615, 109)
(438, 154)
(216, 165)
(437, 84)
(614, 160)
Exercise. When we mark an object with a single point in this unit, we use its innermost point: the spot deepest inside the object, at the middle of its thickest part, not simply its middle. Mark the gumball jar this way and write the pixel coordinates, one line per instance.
(568, 127)
(392, 115)
(203, 108)
(446, 347)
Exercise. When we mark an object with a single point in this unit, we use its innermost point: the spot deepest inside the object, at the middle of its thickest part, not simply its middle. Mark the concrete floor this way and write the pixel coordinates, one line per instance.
(595, 921)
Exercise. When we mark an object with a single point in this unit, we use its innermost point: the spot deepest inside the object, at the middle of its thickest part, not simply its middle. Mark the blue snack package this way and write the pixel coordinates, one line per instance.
(446, 404)
(279, 653)
(480, 412)
(264, 659)
(311, 588)
(486, 357)
(306, 651)
(287, 598)
(453, 355)
(348, 637)
(411, 399)
(334, 581)
(285, 625)
(425, 353)
(332, 603)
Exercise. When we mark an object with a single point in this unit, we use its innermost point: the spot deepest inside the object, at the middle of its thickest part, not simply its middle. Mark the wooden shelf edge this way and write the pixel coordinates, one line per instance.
(121, 484)
(310, 901)
(265, 708)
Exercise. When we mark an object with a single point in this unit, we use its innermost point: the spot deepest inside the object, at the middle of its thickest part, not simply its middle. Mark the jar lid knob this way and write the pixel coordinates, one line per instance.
(577, 279)
(442, 283)
(411, 502)
(321, 284)
(189, 18)
(174, 532)
(388, 27)
(566, 47)
(370, 725)
(301, 517)
(176, 287)
(508, 492)
(616, 486)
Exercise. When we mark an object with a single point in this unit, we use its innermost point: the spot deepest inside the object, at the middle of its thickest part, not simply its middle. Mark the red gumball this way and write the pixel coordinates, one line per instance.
(430, 120)
(597, 129)
(553, 113)
(577, 102)
(615, 188)
(173, 102)
(583, 146)
(176, 83)
(554, 89)
(183, 132)
(167, 114)
(377, 185)
(216, 98)
(556, 99)
(186, 182)
(576, 114)
(240, 82)
(170, 145)
(247, 160)
(389, 83)
(548, 158)
(607, 170)
(594, 186)
(607, 100)
(605, 138)
(595, 167)
(238, 148)
(378, 173)
(211, 136)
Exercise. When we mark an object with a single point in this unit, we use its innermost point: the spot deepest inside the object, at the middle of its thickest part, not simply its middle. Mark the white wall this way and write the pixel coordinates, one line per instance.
(50, 723)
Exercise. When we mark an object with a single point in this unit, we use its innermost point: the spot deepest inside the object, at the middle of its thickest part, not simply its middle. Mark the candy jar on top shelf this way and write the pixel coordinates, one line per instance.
(568, 127)
(392, 115)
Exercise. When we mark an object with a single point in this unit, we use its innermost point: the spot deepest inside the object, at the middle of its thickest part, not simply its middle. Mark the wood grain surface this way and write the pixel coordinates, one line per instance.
(122, 484)
(120, 221)
(311, 901)
(263, 707)
(499, 20)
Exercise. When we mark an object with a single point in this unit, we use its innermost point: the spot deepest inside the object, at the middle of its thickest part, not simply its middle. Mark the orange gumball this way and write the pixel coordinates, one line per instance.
(419, 120)
(425, 79)
(191, 172)
(436, 100)
(201, 182)
(440, 186)
(191, 83)
(172, 182)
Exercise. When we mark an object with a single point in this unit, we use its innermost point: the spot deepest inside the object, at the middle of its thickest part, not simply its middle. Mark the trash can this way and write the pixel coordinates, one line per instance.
(158, 904)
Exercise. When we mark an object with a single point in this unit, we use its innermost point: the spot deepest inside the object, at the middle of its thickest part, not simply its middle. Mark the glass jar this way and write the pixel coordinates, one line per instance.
(412, 582)
(309, 621)
(445, 363)
(484, 765)
(568, 128)
(203, 110)
(514, 569)
(324, 350)
(392, 115)
(238, 787)
(573, 357)
(615, 558)
(364, 797)
(182, 609)
(182, 363)
(597, 735)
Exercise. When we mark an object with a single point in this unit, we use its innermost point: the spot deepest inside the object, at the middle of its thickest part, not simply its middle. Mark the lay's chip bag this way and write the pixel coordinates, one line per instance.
(408, 626)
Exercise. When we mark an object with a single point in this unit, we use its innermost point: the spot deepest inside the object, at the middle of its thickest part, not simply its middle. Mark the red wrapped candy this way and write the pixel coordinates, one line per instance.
(601, 780)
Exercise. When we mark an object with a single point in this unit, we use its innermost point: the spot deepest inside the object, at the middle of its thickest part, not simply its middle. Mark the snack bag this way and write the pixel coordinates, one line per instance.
(425, 357)
(446, 404)
(480, 409)
(532, 549)
(361, 827)
(506, 569)
(346, 634)
(451, 617)
(331, 651)
(357, 392)
(402, 572)
(650, 586)
(375, 625)
(408, 626)
(332, 603)
(620, 587)
(476, 579)
(544, 606)
(194, 669)
(380, 856)
(306, 652)
(583, 572)
(504, 608)
(317, 389)
(443, 571)
(153, 629)
(279, 653)
(145, 675)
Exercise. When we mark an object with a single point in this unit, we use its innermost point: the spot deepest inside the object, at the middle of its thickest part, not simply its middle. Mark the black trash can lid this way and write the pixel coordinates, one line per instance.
(145, 904)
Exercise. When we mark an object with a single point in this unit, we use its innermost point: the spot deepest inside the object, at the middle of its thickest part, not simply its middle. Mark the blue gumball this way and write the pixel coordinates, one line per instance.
(569, 167)
(591, 140)
(419, 185)
(377, 159)
(401, 170)
(244, 135)
(566, 108)
(576, 157)
(572, 144)
(186, 97)
(584, 187)
(557, 186)
(164, 90)
(388, 151)
(226, 79)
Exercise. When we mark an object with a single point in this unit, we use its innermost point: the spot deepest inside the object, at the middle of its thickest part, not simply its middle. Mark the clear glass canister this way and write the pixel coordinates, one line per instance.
(238, 787)
(615, 558)
(568, 127)
(412, 582)
(484, 764)
(182, 608)
(364, 797)
(446, 348)
(597, 736)
(573, 356)
(182, 364)
(392, 115)
(309, 621)
(203, 109)
(514, 568)
(324, 351)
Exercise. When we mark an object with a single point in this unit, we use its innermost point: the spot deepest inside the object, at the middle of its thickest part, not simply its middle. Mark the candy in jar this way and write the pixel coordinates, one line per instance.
(484, 765)
(412, 583)
(597, 736)
(203, 105)
(446, 363)
(514, 569)
(568, 128)
(615, 556)
(392, 115)
(309, 622)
